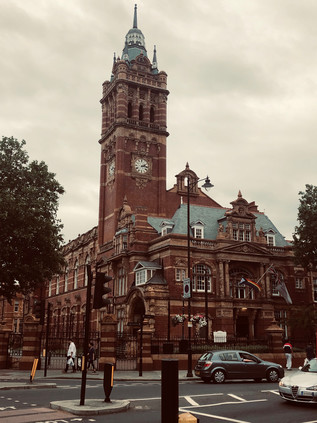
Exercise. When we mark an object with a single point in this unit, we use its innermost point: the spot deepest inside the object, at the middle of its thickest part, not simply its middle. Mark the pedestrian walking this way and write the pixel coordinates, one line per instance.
(91, 357)
(71, 356)
(288, 351)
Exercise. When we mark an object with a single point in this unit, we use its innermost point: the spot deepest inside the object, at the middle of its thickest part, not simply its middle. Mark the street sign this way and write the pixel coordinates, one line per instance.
(186, 288)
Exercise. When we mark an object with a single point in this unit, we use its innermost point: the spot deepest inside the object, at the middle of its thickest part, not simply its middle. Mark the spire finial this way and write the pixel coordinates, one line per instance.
(135, 18)
(154, 63)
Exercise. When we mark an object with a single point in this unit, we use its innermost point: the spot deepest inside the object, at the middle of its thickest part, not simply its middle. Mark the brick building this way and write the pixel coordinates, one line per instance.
(142, 235)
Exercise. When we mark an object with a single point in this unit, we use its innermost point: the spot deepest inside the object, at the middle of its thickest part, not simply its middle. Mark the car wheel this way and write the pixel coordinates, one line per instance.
(272, 375)
(219, 376)
(206, 379)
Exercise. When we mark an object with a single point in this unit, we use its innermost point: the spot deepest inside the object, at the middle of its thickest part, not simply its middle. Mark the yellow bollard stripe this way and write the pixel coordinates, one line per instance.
(34, 368)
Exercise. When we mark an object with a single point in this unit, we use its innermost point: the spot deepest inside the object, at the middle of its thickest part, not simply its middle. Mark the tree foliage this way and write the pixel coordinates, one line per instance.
(305, 236)
(304, 319)
(30, 238)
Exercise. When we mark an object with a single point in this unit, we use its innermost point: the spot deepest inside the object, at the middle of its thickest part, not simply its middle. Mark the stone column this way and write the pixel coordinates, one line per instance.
(275, 337)
(263, 281)
(227, 279)
(31, 342)
(221, 288)
(4, 341)
(108, 339)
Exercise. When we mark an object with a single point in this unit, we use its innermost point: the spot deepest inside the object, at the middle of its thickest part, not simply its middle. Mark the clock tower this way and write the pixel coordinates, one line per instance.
(133, 136)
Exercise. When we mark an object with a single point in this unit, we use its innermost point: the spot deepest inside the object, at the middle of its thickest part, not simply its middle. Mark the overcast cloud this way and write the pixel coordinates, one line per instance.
(242, 105)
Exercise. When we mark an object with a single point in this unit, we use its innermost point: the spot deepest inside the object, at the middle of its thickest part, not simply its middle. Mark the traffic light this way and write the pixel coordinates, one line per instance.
(186, 288)
(101, 290)
(39, 310)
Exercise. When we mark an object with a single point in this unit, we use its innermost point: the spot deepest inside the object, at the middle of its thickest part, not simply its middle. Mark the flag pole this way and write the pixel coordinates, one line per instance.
(271, 265)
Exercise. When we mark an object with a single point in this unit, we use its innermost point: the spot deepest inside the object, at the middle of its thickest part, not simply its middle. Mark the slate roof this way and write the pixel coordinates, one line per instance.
(210, 217)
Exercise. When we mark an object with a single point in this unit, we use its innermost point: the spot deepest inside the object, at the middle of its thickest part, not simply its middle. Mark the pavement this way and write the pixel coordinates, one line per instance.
(20, 379)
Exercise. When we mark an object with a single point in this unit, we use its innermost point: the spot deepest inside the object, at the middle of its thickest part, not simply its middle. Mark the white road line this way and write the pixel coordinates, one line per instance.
(236, 397)
(225, 403)
(159, 398)
(271, 391)
(215, 417)
(191, 401)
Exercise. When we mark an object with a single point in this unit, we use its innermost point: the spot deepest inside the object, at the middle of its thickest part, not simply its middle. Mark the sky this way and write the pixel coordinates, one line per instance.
(242, 77)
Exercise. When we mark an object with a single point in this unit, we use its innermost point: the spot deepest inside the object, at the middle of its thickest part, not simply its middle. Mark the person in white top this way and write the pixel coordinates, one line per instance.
(71, 356)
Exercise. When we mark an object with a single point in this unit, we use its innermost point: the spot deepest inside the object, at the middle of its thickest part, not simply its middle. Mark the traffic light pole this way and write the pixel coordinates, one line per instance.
(87, 334)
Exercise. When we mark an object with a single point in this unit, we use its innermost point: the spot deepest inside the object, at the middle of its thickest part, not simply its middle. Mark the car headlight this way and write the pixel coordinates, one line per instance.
(312, 388)
(282, 383)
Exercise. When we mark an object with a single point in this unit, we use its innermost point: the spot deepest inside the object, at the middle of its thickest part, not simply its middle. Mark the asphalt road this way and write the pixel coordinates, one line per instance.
(239, 402)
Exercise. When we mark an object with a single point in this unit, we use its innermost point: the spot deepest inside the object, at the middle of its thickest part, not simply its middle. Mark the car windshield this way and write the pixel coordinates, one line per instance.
(311, 366)
(206, 357)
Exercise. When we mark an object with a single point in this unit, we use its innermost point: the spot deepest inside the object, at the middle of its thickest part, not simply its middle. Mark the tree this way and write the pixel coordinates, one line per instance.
(30, 238)
(303, 321)
(305, 236)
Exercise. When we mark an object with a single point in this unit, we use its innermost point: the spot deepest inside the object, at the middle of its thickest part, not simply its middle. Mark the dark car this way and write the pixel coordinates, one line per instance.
(221, 365)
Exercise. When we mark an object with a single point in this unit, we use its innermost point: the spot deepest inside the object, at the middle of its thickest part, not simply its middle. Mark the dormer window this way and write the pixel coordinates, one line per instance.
(198, 229)
(144, 271)
(167, 227)
(270, 238)
(241, 231)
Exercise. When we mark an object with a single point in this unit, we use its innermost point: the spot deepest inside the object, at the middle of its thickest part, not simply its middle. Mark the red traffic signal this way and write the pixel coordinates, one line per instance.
(101, 290)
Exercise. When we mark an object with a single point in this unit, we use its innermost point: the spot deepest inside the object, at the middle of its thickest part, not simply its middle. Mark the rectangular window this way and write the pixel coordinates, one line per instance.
(248, 236)
(235, 234)
(180, 275)
(299, 283)
(49, 288)
(66, 282)
(241, 235)
(16, 306)
(57, 285)
(198, 233)
(140, 277)
(270, 240)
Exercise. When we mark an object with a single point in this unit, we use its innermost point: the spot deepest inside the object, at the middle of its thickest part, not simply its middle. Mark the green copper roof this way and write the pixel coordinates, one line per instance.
(134, 41)
(209, 217)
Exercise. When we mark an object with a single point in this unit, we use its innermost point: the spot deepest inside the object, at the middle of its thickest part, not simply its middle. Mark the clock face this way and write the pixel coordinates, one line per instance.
(111, 169)
(141, 165)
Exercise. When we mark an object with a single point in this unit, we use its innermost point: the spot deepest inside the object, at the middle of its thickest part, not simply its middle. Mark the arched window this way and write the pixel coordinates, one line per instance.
(76, 275)
(152, 114)
(141, 112)
(66, 280)
(87, 261)
(201, 276)
(238, 290)
(129, 110)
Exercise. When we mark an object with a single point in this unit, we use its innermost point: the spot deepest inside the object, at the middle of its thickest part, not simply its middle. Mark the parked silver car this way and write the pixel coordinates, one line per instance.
(300, 385)
(221, 365)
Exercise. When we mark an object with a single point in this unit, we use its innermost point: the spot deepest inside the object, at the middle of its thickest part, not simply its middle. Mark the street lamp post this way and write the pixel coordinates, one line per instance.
(191, 184)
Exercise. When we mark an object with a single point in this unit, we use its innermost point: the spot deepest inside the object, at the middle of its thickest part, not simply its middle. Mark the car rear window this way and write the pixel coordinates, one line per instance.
(206, 357)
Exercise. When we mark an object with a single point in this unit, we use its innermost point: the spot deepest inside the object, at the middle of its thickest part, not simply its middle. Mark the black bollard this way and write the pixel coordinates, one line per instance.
(169, 392)
(108, 380)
